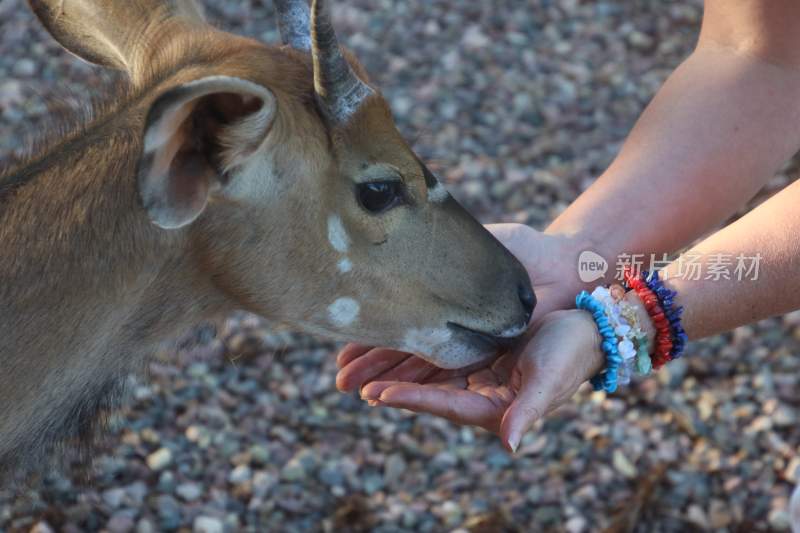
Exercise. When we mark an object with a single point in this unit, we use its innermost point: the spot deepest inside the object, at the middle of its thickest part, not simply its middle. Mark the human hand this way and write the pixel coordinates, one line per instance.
(506, 396)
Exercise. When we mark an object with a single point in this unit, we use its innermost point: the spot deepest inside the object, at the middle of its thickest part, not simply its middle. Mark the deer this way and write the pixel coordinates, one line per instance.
(224, 173)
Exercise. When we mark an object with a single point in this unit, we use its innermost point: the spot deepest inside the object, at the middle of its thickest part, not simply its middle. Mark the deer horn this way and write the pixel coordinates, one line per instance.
(294, 23)
(338, 88)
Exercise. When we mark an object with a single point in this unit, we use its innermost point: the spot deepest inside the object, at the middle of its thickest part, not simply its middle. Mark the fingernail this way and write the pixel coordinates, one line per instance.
(513, 443)
(365, 396)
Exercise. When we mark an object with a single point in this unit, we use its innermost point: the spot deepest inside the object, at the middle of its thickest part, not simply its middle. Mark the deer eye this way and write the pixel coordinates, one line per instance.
(379, 196)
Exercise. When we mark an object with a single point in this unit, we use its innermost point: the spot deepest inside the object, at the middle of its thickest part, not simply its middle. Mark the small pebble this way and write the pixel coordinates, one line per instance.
(24, 67)
(189, 492)
(207, 524)
(159, 459)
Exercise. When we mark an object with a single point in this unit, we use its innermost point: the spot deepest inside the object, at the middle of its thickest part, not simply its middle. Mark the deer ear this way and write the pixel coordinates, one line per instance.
(195, 134)
(113, 33)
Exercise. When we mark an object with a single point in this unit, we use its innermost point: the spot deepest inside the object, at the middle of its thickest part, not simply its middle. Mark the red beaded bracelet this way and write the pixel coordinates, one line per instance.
(663, 342)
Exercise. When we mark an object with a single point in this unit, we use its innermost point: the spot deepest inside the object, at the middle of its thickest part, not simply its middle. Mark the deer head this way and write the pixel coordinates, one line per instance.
(283, 171)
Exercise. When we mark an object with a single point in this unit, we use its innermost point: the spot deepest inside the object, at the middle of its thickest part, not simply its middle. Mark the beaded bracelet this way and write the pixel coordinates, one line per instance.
(643, 363)
(624, 341)
(663, 348)
(607, 378)
(612, 303)
(666, 299)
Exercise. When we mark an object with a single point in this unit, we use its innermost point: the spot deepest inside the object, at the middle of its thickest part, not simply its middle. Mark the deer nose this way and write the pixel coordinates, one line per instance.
(528, 300)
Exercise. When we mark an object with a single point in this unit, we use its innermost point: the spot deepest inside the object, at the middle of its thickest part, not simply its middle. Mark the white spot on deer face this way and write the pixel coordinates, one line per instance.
(424, 340)
(438, 194)
(343, 312)
(337, 236)
(345, 265)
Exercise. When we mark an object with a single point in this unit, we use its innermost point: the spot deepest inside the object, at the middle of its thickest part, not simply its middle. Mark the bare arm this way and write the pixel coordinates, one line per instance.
(770, 233)
(719, 128)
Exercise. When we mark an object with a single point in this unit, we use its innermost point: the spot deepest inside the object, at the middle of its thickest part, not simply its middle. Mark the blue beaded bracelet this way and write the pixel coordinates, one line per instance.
(607, 378)
(673, 314)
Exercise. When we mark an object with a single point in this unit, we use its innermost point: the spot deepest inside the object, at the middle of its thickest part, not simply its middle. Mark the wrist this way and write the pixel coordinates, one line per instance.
(596, 359)
(583, 327)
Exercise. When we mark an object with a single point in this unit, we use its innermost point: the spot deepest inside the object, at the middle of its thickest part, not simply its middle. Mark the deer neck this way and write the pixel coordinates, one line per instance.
(88, 285)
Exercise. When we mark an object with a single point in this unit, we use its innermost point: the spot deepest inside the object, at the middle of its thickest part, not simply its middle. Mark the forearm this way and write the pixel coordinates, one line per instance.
(718, 129)
(767, 238)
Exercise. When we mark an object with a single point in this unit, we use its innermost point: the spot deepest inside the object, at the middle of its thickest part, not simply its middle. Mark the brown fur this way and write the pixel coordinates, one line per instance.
(90, 286)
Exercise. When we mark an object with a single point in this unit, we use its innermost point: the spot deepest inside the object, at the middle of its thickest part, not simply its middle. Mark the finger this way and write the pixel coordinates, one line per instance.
(504, 395)
(367, 367)
(349, 352)
(414, 369)
(482, 378)
(373, 390)
(530, 405)
(459, 406)
(504, 365)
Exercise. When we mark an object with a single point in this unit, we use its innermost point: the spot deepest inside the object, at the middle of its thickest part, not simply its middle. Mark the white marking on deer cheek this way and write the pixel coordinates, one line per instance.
(345, 265)
(438, 194)
(343, 312)
(337, 236)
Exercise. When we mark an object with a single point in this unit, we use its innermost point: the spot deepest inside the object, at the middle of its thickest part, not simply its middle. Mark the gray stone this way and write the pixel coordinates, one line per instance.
(114, 497)
(394, 467)
(120, 523)
(145, 526)
(189, 492)
(24, 67)
(169, 512)
(240, 474)
(207, 524)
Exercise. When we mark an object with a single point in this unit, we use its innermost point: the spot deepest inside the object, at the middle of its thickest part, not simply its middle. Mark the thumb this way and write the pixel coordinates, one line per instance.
(531, 404)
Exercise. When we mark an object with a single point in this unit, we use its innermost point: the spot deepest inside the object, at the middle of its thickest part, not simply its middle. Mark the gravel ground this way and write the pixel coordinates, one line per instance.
(520, 105)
